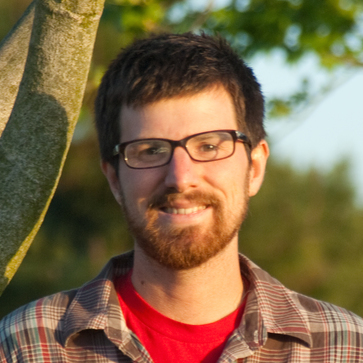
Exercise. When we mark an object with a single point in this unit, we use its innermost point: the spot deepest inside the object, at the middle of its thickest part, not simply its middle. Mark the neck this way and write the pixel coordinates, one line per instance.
(196, 296)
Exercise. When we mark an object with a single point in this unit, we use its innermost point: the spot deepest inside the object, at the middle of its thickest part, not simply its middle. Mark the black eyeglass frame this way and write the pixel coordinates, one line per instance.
(119, 149)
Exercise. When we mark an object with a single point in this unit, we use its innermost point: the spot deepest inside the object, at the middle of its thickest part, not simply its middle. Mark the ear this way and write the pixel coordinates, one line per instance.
(113, 181)
(259, 156)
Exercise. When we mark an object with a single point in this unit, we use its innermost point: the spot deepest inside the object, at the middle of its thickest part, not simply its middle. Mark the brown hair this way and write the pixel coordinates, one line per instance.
(168, 65)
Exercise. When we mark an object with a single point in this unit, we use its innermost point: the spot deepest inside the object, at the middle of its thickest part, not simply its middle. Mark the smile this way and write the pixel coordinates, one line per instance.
(184, 210)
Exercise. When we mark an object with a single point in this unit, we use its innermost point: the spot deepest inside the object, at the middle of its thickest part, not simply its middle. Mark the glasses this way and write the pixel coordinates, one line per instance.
(204, 147)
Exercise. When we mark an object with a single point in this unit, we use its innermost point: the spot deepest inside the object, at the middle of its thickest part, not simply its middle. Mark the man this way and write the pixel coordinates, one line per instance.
(180, 125)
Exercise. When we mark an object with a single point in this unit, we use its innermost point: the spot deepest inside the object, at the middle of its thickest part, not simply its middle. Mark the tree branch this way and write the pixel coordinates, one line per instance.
(36, 139)
(13, 54)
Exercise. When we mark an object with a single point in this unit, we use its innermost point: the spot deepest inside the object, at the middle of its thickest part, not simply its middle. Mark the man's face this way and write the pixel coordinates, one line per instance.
(184, 213)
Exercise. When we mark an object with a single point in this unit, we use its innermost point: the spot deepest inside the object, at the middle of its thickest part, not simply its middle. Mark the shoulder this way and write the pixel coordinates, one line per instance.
(336, 333)
(48, 308)
(323, 316)
(322, 327)
(49, 324)
(35, 323)
(276, 301)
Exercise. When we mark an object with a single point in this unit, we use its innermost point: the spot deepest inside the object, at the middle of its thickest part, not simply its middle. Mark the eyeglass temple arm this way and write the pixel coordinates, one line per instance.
(244, 138)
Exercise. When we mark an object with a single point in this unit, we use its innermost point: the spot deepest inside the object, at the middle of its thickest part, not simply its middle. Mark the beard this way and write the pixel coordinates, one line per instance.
(181, 248)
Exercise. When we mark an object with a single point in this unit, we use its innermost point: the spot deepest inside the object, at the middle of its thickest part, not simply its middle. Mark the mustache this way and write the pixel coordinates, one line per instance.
(169, 196)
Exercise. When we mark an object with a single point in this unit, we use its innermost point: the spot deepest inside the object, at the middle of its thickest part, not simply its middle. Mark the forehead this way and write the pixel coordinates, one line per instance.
(178, 117)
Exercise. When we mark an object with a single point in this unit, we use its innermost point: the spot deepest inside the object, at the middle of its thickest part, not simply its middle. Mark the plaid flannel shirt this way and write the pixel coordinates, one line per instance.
(86, 325)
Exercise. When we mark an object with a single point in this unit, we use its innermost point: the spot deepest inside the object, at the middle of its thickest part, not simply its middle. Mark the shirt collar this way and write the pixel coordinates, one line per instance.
(95, 304)
(270, 307)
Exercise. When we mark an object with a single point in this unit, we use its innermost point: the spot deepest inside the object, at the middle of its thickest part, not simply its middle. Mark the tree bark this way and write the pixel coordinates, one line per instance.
(35, 141)
(13, 54)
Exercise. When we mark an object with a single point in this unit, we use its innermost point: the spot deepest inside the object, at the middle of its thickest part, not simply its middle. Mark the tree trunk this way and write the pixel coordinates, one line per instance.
(35, 141)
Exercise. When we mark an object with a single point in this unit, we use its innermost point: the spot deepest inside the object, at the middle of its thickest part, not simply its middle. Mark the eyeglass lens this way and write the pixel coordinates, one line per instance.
(203, 147)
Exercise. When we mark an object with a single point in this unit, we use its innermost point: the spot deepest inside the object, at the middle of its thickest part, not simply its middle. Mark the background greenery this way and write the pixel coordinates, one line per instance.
(303, 227)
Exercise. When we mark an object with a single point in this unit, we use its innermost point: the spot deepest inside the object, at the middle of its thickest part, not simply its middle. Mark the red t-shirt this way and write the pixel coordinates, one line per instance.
(167, 340)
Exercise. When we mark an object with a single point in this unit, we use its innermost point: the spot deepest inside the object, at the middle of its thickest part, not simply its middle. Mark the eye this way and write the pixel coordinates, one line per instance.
(211, 146)
(205, 148)
(151, 151)
(154, 150)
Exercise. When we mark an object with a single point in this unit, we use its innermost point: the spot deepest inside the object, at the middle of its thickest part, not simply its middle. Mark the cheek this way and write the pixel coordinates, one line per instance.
(138, 185)
(230, 178)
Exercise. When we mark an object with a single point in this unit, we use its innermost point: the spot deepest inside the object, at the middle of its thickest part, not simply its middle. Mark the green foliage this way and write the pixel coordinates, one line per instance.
(325, 27)
(304, 228)
(10, 12)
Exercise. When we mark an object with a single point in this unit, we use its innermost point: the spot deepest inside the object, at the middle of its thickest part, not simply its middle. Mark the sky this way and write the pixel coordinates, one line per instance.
(327, 132)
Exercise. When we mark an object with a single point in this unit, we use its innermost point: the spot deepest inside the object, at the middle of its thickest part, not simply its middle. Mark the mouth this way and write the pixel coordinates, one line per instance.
(183, 210)
(182, 207)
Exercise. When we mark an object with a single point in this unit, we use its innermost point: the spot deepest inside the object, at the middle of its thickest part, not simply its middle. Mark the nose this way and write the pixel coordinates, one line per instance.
(182, 171)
